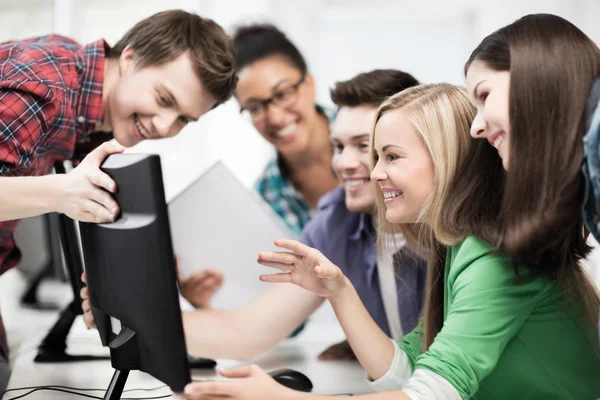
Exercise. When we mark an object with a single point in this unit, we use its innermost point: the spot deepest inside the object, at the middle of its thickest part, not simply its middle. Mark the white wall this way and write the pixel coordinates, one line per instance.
(339, 38)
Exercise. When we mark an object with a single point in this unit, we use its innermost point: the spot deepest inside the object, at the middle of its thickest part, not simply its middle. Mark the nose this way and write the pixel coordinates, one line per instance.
(274, 114)
(378, 173)
(346, 160)
(164, 123)
(479, 125)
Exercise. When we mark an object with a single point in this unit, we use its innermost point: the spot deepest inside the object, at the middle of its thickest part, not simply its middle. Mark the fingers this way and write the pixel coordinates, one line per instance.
(102, 180)
(293, 245)
(210, 389)
(98, 155)
(276, 278)
(86, 306)
(279, 257)
(84, 294)
(239, 372)
(94, 212)
(205, 277)
(88, 319)
(276, 265)
(104, 199)
(88, 316)
(84, 277)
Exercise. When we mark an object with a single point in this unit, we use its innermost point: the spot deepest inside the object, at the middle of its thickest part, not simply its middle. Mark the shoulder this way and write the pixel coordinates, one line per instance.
(270, 173)
(476, 265)
(332, 220)
(44, 62)
(39, 48)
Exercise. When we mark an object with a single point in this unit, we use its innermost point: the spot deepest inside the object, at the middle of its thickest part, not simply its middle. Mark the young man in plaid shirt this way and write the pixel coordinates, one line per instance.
(60, 100)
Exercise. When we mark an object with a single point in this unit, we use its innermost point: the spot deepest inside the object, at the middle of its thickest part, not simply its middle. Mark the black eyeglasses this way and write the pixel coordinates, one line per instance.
(284, 98)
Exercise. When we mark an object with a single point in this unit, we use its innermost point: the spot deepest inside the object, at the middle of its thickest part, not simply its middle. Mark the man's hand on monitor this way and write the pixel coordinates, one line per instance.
(84, 192)
(339, 351)
(88, 316)
(199, 288)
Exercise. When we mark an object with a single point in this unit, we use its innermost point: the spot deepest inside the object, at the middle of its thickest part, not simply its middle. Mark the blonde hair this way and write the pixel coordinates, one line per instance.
(441, 114)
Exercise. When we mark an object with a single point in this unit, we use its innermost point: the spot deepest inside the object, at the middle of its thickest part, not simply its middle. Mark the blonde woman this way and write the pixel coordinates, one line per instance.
(490, 330)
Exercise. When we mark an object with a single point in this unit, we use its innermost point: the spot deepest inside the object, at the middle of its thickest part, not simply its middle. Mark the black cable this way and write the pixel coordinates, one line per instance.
(59, 389)
(82, 389)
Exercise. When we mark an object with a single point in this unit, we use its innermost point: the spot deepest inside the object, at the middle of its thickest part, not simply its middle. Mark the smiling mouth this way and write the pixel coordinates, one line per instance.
(497, 139)
(140, 127)
(286, 131)
(355, 183)
(388, 196)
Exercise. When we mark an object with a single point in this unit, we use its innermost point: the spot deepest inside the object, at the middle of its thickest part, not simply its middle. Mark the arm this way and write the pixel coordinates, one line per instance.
(372, 347)
(309, 269)
(24, 197)
(247, 332)
(24, 120)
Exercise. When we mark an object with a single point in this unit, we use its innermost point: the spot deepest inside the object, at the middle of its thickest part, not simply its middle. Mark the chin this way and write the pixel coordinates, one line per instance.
(397, 218)
(360, 207)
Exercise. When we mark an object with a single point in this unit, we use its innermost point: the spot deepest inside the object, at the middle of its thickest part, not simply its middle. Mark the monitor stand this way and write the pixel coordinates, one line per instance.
(116, 385)
(53, 347)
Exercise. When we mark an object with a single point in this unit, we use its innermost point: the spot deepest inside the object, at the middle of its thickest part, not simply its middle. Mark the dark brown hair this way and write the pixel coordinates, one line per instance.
(371, 88)
(552, 66)
(166, 35)
(256, 42)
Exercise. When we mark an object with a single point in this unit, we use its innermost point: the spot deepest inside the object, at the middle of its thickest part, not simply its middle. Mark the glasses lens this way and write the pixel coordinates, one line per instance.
(285, 98)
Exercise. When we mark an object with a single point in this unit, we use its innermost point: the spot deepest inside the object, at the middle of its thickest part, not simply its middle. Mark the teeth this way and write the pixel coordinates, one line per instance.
(140, 127)
(391, 195)
(288, 130)
(498, 141)
(353, 183)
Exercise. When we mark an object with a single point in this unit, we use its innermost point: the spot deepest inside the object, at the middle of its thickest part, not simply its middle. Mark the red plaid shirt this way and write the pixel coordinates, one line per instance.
(50, 101)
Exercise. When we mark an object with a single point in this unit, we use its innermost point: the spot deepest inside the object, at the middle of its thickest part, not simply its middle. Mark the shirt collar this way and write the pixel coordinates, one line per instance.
(90, 110)
(364, 225)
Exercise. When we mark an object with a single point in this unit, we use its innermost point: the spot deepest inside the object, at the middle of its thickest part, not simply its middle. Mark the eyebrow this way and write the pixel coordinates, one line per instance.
(171, 97)
(251, 100)
(387, 146)
(476, 86)
(360, 136)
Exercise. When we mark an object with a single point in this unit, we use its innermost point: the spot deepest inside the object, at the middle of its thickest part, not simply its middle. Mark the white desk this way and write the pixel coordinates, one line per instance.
(27, 327)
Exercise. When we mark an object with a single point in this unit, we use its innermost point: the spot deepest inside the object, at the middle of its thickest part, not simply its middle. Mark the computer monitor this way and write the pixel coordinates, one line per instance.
(131, 276)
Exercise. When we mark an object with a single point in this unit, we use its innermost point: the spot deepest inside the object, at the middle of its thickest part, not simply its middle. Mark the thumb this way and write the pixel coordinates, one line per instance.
(328, 272)
(98, 155)
(238, 372)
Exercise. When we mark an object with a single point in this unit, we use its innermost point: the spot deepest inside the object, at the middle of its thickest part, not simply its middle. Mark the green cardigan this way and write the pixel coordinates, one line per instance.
(502, 340)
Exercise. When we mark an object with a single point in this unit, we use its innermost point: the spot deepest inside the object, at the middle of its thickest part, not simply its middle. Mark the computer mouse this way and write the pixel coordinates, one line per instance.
(293, 379)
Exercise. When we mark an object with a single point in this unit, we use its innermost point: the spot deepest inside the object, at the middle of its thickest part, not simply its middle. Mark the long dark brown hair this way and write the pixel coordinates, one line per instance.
(552, 65)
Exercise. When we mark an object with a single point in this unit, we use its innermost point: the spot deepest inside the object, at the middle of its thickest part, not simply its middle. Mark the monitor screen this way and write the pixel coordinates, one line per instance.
(132, 278)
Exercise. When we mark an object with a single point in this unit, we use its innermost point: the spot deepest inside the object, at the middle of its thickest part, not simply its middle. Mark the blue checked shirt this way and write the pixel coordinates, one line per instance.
(278, 191)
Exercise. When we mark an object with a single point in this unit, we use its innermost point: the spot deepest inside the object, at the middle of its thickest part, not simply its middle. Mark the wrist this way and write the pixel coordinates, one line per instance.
(342, 291)
(54, 190)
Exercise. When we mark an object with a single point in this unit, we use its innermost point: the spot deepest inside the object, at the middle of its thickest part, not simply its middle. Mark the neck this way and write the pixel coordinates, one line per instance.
(318, 152)
(111, 75)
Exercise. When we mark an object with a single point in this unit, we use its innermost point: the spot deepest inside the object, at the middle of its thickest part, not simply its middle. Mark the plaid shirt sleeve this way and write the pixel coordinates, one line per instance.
(24, 116)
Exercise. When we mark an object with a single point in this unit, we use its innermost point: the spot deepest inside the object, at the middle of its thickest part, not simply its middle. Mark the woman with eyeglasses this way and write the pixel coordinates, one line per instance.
(277, 94)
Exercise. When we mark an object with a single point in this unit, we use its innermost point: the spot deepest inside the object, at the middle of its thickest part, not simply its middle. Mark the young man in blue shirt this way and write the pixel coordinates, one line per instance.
(342, 229)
